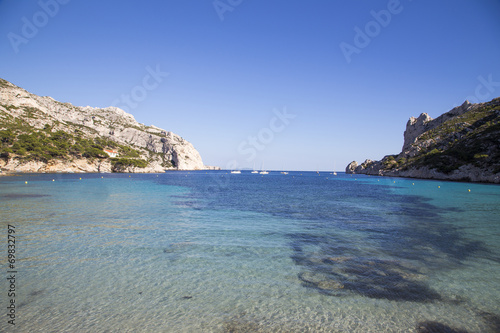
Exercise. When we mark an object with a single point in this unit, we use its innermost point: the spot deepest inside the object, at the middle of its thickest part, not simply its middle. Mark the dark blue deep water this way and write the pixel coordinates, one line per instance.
(216, 252)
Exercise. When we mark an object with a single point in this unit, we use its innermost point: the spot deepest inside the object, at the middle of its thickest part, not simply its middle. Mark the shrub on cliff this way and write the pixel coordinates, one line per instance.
(121, 164)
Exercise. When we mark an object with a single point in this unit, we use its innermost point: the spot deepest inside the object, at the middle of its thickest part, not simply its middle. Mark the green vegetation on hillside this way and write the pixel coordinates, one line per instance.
(120, 164)
(21, 141)
(3, 83)
(471, 138)
(44, 145)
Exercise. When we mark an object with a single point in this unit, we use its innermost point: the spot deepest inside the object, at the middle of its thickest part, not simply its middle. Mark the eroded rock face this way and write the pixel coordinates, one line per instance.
(414, 128)
(161, 148)
(351, 167)
(461, 144)
(73, 166)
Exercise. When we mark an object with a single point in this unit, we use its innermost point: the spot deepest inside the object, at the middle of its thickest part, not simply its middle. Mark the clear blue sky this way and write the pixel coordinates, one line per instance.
(230, 63)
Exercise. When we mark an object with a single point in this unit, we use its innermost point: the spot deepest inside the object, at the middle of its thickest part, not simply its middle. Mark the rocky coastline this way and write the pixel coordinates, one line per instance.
(41, 135)
(463, 144)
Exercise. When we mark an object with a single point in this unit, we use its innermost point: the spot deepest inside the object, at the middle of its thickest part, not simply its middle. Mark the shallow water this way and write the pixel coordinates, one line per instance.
(215, 252)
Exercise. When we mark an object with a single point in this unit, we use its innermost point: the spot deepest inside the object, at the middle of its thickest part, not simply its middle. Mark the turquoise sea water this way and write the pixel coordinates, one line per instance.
(215, 252)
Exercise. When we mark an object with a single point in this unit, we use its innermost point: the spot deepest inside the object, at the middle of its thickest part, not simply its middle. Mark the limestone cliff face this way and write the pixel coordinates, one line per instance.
(160, 148)
(415, 127)
(351, 167)
(461, 144)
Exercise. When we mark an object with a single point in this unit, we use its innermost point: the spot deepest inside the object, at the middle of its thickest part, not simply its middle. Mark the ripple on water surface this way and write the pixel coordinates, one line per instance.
(185, 252)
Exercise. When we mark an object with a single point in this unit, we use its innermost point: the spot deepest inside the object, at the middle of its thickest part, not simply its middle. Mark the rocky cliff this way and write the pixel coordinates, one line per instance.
(461, 144)
(40, 134)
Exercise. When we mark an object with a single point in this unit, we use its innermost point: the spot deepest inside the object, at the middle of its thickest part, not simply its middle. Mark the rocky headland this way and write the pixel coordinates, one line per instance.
(462, 144)
(40, 134)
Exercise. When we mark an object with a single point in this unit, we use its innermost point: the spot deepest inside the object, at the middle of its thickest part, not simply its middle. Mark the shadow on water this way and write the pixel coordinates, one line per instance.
(15, 196)
(492, 320)
(354, 237)
(435, 327)
(382, 253)
(333, 272)
(31, 297)
(241, 323)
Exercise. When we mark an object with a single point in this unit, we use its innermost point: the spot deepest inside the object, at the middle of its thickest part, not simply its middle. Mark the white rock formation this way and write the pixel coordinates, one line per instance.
(418, 138)
(156, 145)
(417, 126)
(414, 128)
(351, 167)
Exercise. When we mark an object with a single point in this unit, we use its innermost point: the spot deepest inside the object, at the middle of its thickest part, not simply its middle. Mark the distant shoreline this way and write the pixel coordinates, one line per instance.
(432, 179)
(14, 174)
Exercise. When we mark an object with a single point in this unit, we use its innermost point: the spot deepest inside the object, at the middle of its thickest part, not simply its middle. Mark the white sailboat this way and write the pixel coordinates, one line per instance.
(263, 172)
(284, 172)
(235, 171)
(254, 171)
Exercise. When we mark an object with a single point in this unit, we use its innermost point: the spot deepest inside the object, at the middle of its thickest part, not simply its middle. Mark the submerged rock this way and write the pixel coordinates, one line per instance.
(435, 327)
(374, 278)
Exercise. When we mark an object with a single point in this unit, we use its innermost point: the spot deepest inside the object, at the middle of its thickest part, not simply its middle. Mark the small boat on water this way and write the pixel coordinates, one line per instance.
(284, 172)
(235, 171)
(263, 172)
(255, 171)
